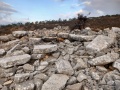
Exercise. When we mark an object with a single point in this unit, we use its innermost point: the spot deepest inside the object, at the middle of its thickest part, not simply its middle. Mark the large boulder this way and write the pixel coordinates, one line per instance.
(44, 49)
(19, 33)
(100, 43)
(14, 60)
(105, 59)
(55, 82)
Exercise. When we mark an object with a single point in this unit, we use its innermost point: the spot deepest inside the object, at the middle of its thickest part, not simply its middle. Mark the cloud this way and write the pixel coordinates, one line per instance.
(59, 0)
(6, 11)
(101, 7)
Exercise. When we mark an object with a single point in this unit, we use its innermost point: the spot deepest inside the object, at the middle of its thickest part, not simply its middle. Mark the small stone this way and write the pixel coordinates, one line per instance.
(55, 82)
(8, 82)
(72, 80)
(2, 52)
(39, 49)
(28, 67)
(43, 65)
(56, 54)
(41, 76)
(37, 56)
(18, 78)
(101, 68)
(105, 59)
(26, 49)
(38, 84)
(117, 84)
(64, 67)
(14, 60)
(63, 35)
(81, 77)
(116, 64)
(77, 86)
(34, 40)
(95, 76)
(28, 85)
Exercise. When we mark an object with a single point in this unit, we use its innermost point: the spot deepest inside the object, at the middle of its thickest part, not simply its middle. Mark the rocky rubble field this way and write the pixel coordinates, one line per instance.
(59, 60)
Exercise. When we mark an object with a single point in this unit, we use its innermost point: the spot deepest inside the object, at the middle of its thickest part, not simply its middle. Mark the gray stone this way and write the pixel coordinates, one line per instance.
(44, 49)
(77, 86)
(34, 40)
(38, 84)
(56, 54)
(28, 85)
(14, 60)
(100, 43)
(37, 56)
(81, 37)
(116, 64)
(41, 76)
(28, 67)
(101, 68)
(55, 82)
(117, 84)
(19, 33)
(105, 59)
(81, 77)
(63, 35)
(64, 67)
(72, 80)
(43, 65)
(4, 38)
(4, 88)
(95, 76)
(26, 49)
(18, 78)
(2, 52)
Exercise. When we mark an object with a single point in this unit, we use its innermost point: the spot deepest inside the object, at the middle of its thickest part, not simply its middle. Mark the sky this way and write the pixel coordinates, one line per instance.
(13, 11)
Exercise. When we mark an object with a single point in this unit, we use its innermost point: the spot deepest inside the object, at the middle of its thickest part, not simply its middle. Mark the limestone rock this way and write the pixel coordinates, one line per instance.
(116, 64)
(2, 51)
(63, 35)
(39, 49)
(28, 85)
(38, 84)
(105, 59)
(28, 67)
(81, 77)
(100, 43)
(37, 56)
(55, 82)
(19, 33)
(34, 40)
(76, 86)
(63, 66)
(14, 60)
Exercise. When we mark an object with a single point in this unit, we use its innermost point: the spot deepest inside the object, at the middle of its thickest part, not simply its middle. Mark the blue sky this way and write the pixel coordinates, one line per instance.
(12, 11)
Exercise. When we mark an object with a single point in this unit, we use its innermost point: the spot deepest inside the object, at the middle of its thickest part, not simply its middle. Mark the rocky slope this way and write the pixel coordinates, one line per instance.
(59, 60)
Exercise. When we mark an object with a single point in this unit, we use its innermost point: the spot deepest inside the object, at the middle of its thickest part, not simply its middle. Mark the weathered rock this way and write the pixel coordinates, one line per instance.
(77, 86)
(18, 78)
(81, 37)
(43, 65)
(81, 77)
(26, 49)
(105, 59)
(41, 76)
(63, 35)
(4, 88)
(55, 82)
(72, 80)
(19, 33)
(101, 68)
(28, 85)
(2, 52)
(38, 84)
(34, 40)
(95, 76)
(64, 67)
(116, 64)
(100, 43)
(4, 38)
(116, 29)
(28, 67)
(37, 56)
(117, 84)
(8, 82)
(14, 60)
(44, 49)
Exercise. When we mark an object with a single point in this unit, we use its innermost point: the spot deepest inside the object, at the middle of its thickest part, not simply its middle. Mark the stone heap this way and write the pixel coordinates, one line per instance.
(59, 60)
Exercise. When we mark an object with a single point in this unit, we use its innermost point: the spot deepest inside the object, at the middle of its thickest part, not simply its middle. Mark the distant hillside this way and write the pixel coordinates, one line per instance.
(101, 22)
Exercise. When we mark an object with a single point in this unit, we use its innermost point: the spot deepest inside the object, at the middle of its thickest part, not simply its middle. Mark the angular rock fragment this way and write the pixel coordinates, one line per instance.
(28, 85)
(81, 77)
(55, 82)
(116, 64)
(37, 56)
(76, 86)
(63, 35)
(81, 37)
(38, 84)
(105, 59)
(44, 49)
(18, 78)
(100, 43)
(63, 66)
(14, 60)
(2, 51)
(34, 40)
(28, 67)
(19, 33)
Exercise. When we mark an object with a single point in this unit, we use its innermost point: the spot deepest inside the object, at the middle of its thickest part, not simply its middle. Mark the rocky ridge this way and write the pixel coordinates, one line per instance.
(59, 60)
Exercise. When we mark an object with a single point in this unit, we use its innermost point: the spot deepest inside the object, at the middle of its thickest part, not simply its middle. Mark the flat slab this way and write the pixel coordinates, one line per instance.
(44, 49)
(100, 43)
(14, 60)
(81, 37)
(105, 59)
(55, 82)
(64, 67)
(19, 33)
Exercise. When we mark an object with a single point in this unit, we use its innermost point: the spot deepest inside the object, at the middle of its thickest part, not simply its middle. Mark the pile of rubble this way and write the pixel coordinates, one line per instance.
(55, 60)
